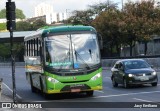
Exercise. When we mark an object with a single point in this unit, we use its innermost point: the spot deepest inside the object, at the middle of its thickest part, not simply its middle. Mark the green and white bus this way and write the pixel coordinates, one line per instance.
(63, 59)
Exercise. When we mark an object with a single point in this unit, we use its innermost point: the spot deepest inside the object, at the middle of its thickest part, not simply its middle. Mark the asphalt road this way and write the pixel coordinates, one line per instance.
(109, 94)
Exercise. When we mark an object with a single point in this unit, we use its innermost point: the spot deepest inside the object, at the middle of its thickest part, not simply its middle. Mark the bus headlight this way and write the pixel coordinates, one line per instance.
(96, 76)
(50, 79)
(154, 73)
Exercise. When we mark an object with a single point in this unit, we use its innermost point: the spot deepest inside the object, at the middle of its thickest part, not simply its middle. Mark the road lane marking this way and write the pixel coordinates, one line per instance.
(12, 91)
(100, 91)
(142, 100)
(127, 94)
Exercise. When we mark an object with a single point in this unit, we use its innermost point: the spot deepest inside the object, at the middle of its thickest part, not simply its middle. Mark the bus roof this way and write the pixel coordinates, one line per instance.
(43, 32)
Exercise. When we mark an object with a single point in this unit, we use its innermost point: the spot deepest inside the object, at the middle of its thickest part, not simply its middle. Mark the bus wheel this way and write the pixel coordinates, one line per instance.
(89, 93)
(45, 95)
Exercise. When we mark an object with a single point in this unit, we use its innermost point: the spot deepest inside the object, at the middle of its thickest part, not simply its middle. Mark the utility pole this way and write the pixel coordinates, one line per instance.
(10, 16)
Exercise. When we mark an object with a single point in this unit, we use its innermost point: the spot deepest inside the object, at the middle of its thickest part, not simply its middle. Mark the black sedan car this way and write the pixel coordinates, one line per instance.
(133, 72)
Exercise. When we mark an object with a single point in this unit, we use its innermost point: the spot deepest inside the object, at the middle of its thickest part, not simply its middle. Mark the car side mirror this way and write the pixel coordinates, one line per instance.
(121, 68)
(152, 66)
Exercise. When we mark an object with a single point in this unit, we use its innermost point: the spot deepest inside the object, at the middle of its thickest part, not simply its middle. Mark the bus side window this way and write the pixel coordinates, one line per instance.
(39, 48)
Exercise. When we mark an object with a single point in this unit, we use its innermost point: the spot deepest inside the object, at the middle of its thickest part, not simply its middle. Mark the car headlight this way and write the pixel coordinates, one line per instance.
(96, 76)
(130, 75)
(154, 73)
(52, 80)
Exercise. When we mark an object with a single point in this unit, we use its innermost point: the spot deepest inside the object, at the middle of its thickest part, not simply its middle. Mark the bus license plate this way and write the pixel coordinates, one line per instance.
(75, 90)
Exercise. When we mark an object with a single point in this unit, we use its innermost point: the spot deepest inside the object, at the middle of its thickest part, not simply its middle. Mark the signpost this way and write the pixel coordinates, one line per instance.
(10, 16)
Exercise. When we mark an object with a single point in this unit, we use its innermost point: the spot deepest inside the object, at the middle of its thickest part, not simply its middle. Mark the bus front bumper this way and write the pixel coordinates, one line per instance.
(75, 87)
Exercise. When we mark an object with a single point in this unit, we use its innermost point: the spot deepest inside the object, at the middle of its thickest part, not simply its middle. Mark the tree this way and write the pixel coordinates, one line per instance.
(23, 26)
(27, 26)
(85, 17)
(19, 14)
(103, 6)
(137, 22)
(108, 24)
(142, 19)
(3, 13)
(5, 51)
(38, 24)
(81, 17)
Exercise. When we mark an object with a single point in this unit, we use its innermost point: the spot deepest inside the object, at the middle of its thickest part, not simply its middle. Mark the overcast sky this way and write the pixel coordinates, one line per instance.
(58, 5)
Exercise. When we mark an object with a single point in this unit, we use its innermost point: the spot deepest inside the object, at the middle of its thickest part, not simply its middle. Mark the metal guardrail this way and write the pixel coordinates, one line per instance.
(8, 64)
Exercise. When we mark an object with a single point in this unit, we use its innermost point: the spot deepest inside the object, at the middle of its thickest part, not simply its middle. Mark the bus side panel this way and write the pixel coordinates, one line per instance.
(33, 79)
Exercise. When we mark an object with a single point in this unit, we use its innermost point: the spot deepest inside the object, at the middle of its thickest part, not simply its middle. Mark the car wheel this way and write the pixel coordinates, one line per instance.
(154, 84)
(115, 84)
(125, 84)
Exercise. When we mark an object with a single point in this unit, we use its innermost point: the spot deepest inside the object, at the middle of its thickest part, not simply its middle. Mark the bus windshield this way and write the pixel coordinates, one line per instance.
(72, 51)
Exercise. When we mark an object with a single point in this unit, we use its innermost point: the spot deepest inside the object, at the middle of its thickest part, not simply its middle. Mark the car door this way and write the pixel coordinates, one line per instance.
(115, 71)
(120, 72)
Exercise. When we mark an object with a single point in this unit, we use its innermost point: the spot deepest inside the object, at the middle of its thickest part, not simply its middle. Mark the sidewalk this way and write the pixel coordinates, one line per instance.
(6, 97)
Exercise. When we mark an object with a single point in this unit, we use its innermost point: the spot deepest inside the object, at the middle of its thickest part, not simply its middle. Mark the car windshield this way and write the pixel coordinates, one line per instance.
(136, 64)
(72, 51)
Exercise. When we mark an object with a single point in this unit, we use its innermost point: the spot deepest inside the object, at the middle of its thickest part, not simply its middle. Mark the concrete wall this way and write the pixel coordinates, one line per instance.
(152, 61)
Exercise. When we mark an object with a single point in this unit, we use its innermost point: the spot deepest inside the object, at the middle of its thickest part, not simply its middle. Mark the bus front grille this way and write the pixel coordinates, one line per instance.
(74, 81)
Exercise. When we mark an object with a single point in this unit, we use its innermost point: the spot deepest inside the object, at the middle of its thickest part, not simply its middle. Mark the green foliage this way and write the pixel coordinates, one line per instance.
(85, 17)
(137, 22)
(19, 14)
(5, 50)
(38, 24)
(2, 26)
(23, 26)
(103, 6)
(27, 26)
(3, 13)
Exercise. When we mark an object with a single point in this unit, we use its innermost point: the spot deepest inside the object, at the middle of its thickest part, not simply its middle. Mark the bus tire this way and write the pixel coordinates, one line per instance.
(33, 89)
(89, 93)
(45, 95)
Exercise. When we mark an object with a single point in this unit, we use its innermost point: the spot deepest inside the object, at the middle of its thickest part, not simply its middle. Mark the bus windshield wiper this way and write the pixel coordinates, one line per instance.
(76, 53)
